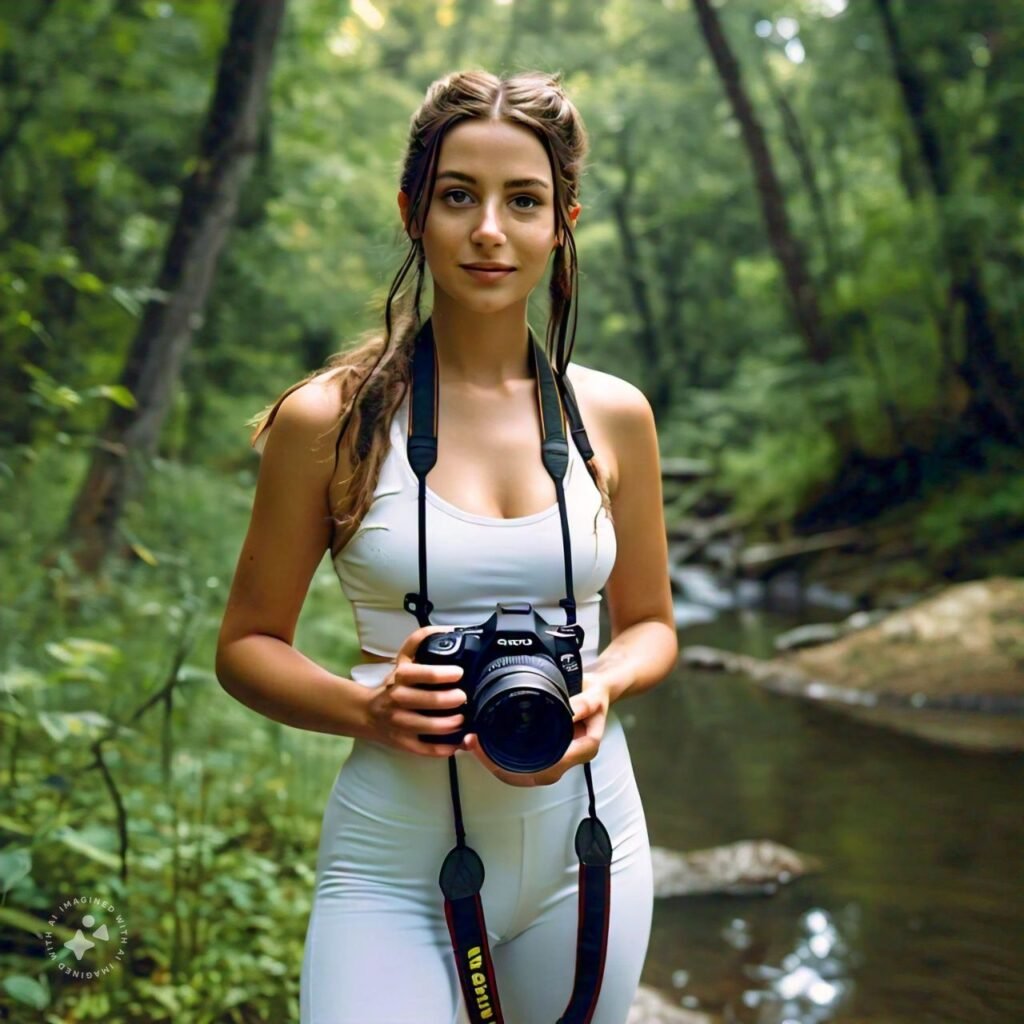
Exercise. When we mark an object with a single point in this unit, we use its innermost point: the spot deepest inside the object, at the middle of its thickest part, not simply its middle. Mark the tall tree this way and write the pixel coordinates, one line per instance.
(784, 243)
(209, 201)
(996, 390)
(650, 341)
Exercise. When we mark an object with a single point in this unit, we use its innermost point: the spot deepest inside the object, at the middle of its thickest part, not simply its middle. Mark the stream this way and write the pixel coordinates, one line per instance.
(918, 915)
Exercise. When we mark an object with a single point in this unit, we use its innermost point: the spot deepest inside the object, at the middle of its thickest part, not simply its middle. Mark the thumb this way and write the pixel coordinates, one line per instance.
(407, 652)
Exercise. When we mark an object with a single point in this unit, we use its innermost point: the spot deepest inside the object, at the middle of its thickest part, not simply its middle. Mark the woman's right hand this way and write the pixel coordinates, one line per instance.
(396, 705)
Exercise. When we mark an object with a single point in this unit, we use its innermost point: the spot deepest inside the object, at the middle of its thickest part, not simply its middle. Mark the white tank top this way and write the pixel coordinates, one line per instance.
(473, 561)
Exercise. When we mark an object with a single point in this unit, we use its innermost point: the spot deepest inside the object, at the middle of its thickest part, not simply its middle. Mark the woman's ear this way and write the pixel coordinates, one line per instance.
(574, 212)
(403, 206)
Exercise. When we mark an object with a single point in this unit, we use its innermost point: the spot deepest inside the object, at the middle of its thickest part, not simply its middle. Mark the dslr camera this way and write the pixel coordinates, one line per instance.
(519, 672)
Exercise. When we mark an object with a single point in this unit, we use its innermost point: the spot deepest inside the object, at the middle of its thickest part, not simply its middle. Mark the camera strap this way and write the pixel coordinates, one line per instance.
(462, 873)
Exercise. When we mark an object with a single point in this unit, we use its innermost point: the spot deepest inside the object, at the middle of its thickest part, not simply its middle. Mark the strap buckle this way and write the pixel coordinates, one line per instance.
(420, 606)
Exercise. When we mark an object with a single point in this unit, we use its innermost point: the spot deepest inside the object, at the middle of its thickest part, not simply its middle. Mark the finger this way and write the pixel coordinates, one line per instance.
(581, 705)
(580, 751)
(521, 779)
(416, 746)
(409, 695)
(594, 727)
(586, 701)
(424, 678)
(416, 672)
(412, 721)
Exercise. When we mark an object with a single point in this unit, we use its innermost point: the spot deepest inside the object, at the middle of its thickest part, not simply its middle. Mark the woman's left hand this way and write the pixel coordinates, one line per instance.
(590, 713)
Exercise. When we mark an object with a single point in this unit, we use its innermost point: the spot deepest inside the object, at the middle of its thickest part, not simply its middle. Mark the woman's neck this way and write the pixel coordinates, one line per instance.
(480, 350)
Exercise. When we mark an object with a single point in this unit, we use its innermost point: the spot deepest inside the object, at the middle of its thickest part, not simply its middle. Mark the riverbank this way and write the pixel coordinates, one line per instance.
(948, 668)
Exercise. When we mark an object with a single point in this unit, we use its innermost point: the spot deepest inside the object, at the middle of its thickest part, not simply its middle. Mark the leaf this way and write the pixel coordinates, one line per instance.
(11, 825)
(30, 991)
(61, 725)
(80, 674)
(196, 674)
(86, 646)
(118, 394)
(33, 371)
(25, 922)
(58, 652)
(81, 651)
(144, 553)
(74, 840)
(86, 282)
(21, 678)
(15, 864)
(126, 300)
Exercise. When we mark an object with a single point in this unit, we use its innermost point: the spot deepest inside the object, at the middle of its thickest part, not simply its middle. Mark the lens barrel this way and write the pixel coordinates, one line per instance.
(522, 714)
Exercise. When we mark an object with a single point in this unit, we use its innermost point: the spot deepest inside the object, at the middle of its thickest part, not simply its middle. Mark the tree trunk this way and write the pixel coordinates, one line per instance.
(794, 135)
(209, 201)
(657, 381)
(773, 207)
(996, 389)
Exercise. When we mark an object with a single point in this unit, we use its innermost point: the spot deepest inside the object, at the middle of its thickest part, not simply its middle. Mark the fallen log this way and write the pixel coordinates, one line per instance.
(770, 557)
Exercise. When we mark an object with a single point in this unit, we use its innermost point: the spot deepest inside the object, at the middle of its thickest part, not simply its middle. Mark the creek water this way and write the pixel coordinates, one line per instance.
(918, 914)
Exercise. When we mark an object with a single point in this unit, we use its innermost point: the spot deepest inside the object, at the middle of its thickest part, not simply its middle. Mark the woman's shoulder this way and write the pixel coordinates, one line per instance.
(617, 416)
(317, 403)
(317, 400)
(615, 401)
(307, 416)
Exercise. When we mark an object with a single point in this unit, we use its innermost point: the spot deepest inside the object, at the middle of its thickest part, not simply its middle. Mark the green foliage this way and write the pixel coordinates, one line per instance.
(773, 479)
(976, 510)
(220, 805)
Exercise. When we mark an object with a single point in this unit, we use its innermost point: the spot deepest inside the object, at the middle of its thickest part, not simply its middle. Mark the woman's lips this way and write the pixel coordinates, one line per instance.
(487, 276)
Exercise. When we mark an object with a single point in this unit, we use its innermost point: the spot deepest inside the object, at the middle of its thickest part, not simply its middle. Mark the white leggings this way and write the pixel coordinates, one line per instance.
(377, 947)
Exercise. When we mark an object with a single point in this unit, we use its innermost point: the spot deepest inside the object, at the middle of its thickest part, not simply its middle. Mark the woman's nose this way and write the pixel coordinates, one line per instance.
(489, 227)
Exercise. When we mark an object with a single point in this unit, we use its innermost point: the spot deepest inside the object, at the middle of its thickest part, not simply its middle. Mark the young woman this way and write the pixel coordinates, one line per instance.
(488, 198)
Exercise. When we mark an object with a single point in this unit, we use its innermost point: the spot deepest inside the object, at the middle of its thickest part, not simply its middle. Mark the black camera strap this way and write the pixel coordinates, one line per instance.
(462, 873)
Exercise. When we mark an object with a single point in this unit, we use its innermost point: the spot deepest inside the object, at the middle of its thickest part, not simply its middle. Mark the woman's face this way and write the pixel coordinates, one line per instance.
(493, 202)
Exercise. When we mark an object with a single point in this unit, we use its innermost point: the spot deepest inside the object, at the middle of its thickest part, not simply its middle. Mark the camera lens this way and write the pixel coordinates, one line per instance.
(522, 713)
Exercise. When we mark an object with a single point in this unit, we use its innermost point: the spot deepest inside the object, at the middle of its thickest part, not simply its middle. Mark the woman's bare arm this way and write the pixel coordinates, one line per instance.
(643, 648)
(287, 536)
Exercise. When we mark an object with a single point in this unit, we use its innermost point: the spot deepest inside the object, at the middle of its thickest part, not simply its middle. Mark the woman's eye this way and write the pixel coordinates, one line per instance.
(455, 192)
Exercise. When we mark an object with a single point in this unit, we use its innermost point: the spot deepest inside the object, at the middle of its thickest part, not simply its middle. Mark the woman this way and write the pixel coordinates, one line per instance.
(489, 192)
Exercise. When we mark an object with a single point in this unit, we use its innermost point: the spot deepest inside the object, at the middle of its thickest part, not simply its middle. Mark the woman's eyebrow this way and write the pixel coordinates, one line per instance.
(514, 183)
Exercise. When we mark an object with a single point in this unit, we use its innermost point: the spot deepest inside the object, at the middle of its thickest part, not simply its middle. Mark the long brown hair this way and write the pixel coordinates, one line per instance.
(374, 374)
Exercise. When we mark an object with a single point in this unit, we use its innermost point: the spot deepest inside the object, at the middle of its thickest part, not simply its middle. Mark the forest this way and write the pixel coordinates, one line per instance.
(802, 238)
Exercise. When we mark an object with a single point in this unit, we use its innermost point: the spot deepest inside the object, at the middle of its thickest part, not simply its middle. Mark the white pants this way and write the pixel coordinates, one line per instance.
(377, 946)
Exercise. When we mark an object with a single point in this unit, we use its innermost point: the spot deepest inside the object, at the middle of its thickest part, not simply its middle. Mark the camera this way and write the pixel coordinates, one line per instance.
(519, 672)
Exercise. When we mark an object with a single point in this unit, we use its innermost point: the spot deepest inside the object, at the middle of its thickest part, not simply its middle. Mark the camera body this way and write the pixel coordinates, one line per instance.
(519, 672)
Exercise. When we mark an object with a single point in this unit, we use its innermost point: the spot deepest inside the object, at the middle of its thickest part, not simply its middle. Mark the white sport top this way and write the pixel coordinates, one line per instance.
(473, 561)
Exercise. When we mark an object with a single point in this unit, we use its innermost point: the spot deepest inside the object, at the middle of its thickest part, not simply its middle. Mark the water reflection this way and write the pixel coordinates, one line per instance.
(812, 983)
(918, 913)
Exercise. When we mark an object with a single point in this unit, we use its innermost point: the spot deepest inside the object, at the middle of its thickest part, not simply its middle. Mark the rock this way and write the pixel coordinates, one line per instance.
(651, 1007)
(816, 633)
(808, 636)
(746, 867)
